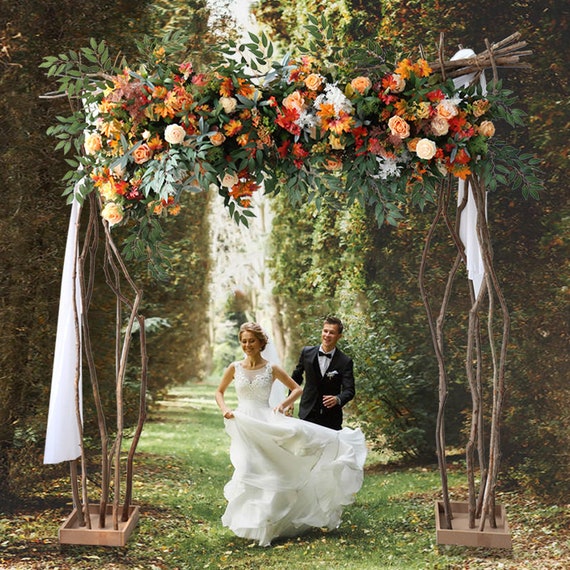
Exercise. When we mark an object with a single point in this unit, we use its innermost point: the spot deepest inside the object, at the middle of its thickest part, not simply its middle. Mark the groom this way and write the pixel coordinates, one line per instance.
(329, 378)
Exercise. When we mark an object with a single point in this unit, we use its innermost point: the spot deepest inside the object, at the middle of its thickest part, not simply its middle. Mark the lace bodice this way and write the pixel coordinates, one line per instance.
(253, 385)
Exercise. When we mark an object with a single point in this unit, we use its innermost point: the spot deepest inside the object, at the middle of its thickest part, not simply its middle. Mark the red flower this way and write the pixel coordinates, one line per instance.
(436, 96)
(286, 119)
(283, 150)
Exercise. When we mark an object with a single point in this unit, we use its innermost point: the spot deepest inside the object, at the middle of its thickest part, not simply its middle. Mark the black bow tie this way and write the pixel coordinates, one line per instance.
(327, 354)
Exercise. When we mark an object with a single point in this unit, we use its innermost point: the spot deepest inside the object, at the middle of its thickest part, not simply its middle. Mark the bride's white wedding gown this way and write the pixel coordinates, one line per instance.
(290, 475)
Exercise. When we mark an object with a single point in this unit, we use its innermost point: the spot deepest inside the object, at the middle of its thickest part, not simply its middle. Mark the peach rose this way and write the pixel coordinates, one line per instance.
(142, 154)
(112, 213)
(217, 138)
(294, 101)
(439, 126)
(174, 134)
(229, 104)
(426, 149)
(361, 84)
(230, 179)
(399, 127)
(92, 143)
(399, 83)
(487, 129)
(313, 81)
(447, 109)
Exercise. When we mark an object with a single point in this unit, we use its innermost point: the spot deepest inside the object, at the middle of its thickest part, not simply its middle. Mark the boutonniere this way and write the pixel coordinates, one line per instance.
(330, 375)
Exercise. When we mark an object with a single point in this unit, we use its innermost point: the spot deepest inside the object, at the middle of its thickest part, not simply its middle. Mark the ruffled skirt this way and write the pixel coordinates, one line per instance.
(290, 475)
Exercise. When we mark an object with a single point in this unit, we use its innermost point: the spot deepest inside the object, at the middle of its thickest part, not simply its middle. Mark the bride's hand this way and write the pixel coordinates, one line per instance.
(281, 410)
(228, 414)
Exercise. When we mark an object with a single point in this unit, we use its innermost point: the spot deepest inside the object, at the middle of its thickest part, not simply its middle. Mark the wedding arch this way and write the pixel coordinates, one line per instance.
(359, 123)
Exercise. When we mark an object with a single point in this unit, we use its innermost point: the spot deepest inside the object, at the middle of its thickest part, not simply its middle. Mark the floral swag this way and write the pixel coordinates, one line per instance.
(358, 122)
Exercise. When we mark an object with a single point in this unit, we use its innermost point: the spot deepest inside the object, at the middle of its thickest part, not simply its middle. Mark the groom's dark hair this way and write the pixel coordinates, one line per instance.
(335, 321)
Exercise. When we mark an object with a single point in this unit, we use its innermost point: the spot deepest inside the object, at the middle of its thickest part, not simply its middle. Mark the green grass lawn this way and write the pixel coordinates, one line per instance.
(181, 469)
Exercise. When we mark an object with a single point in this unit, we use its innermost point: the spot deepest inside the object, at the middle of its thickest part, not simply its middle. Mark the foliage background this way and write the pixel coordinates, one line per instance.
(333, 261)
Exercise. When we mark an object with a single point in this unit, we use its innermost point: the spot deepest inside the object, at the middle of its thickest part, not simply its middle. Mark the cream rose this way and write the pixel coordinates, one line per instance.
(399, 127)
(313, 81)
(217, 138)
(439, 126)
(399, 83)
(447, 109)
(92, 143)
(229, 104)
(142, 154)
(230, 179)
(174, 134)
(361, 84)
(487, 129)
(112, 213)
(426, 149)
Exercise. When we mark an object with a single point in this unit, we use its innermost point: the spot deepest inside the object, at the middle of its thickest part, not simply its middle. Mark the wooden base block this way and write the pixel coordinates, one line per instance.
(462, 535)
(71, 533)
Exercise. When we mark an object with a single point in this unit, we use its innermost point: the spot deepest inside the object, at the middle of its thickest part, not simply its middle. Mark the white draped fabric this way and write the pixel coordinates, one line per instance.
(63, 441)
(468, 223)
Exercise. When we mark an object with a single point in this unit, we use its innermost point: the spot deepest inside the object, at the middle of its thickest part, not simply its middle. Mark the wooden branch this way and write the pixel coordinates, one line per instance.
(141, 419)
(507, 54)
(439, 352)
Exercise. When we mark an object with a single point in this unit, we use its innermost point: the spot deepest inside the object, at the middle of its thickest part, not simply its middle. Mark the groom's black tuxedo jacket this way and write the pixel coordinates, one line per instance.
(338, 381)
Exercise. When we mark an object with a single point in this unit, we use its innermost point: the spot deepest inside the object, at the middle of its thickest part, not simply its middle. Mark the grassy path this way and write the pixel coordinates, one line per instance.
(181, 469)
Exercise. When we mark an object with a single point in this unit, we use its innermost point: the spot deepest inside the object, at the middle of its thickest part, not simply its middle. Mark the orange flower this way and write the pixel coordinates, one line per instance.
(226, 87)
(342, 124)
(159, 92)
(245, 88)
(422, 68)
(155, 143)
(233, 128)
(405, 68)
(460, 171)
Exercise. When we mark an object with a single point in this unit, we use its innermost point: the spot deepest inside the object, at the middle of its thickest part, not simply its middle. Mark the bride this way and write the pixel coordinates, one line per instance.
(289, 475)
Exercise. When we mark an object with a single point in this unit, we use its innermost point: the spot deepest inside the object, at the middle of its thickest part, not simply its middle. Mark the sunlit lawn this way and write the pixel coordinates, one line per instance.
(181, 470)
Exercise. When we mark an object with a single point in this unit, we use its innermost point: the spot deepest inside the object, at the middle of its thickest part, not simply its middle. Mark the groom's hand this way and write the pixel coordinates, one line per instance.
(330, 401)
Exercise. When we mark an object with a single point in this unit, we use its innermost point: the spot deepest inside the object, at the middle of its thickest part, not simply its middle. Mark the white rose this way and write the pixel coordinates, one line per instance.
(426, 149)
(174, 134)
(230, 179)
(228, 104)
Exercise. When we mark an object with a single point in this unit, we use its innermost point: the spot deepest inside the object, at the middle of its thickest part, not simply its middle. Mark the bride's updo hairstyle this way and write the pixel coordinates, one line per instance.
(255, 329)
